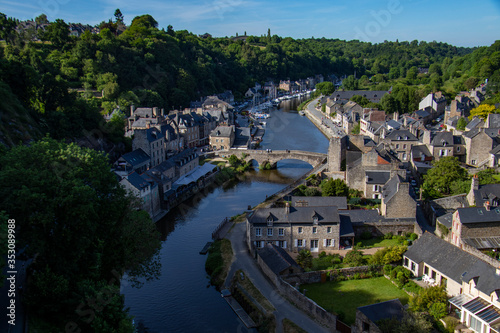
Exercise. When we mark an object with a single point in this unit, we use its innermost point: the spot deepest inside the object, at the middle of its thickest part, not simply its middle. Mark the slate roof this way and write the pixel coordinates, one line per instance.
(394, 124)
(478, 215)
(489, 192)
(222, 131)
(137, 181)
(493, 120)
(418, 150)
(339, 202)
(442, 139)
(383, 310)
(474, 123)
(276, 258)
(242, 136)
(422, 114)
(377, 177)
(391, 187)
(453, 262)
(299, 215)
(401, 135)
(183, 157)
(446, 220)
(136, 157)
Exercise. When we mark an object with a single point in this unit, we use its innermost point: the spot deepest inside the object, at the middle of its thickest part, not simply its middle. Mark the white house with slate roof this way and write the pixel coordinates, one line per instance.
(473, 283)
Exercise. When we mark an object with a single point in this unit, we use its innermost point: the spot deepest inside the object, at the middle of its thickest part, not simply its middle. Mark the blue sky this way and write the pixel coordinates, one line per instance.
(457, 22)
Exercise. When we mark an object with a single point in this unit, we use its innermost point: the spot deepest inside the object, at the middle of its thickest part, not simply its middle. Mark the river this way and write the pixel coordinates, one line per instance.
(182, 300)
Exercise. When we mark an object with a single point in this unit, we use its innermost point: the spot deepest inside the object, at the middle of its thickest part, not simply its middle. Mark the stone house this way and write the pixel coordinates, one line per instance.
(358, 163)
(184, 162)
(152, 142)
(188, 129)
(400, 142)
(420, 160)
(144, 189)
(473, 223)
(367, 316)
(480, 194)
(295, 228)
(473, 283)
(396, 199)
(369, 116)
(479, 145)
(375, 181)
(136, 160)
(345, 96)
(447, 144)
(222, 138)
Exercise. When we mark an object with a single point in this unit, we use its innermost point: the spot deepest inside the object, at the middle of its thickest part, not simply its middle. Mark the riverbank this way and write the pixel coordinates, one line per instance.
(321, 121)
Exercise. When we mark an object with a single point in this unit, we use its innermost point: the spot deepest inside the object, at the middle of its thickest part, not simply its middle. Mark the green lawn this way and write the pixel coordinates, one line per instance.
(379, 242)
(346, 296)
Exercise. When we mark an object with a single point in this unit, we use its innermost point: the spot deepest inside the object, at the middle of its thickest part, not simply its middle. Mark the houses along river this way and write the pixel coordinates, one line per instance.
(181, 300)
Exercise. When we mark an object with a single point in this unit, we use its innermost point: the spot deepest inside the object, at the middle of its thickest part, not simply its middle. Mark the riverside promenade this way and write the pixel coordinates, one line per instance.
(321, 121)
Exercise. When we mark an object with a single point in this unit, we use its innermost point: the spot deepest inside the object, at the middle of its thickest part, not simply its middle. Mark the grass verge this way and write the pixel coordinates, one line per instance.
(344, 297)
(218, 261)
(253, 291)
(290, 327)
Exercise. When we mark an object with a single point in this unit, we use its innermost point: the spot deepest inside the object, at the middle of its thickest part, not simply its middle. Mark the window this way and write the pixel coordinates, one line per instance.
(300, 242)
(329, 242)
(413, 266)
(314, 243)
(269, 221)
(473, 162)
(458, 149)
(259, 244)
(269, 232)
(258, 232)
(281, 232)
(315, 230)
(366, 327)
(329, 229)
(397, 146)
(376, 196)
(404, 157)
(406, 262)
(282, 244)
(376, 188)
(315, 219)
(300, 230)
(404, 146)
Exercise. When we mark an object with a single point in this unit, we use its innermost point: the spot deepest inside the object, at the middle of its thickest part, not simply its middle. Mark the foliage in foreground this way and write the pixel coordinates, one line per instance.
(82, 228)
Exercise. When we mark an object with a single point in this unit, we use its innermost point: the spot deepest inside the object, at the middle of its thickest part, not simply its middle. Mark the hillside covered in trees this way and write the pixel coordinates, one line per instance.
(55, 81)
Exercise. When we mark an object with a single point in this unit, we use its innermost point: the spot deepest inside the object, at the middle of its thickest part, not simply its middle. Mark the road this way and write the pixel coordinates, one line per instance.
(328, 124)
(244, 261)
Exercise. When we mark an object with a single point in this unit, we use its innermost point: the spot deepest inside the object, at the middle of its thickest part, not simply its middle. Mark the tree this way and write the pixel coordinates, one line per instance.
(424, 300)
(361, 100)
(354, 258)
(334, 188)
(355, 129)
(471, 83)
(411, 323)
(65, 197)
(439, 179)
(304, 259)
(350, 83)
(57, 33)
(325, 88)
(461, 123)
(118, 16)
(41, 19)
(482, 111)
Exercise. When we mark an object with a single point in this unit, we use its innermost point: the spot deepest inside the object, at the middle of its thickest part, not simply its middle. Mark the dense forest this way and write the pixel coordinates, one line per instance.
(54, 81)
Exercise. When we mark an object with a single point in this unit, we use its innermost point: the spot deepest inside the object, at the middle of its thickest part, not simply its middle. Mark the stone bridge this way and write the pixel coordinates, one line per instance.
(263, 157)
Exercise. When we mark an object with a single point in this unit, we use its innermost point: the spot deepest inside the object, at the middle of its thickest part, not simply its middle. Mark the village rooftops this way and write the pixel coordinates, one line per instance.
(478, 215)
(377, 177)
(136, 157)
(453, 262)
(401, 135)
(276, 258)
(222, 131)
(300, 201)
(324, 215)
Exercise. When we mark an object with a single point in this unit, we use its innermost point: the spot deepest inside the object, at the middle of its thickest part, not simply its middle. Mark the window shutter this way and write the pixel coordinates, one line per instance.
(333, 242)
(277, 243)
(295, 243)
(324, 242)
(284, 245)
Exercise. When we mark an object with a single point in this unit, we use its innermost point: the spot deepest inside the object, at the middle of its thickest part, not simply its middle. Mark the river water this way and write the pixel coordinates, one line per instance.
(182, 300)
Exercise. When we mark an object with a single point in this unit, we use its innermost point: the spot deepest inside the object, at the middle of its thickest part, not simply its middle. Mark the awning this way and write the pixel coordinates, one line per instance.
(460, 300)
(194, 175)
(483, 310)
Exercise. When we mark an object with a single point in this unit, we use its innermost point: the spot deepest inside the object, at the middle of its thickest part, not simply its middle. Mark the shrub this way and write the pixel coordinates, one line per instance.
(388, 235)
(387, 270)
(438, 310)
(354, 258)
(366, 235)
(322, 254)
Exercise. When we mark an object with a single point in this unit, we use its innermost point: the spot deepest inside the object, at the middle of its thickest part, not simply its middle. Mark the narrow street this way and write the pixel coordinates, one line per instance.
(242, 260)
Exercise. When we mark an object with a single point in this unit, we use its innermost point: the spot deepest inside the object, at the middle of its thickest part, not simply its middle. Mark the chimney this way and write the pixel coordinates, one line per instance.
(487, 205)
(426, 139)
(132, 108)
(475, 183)
(287, 208)
(396, 116)
(155, 112)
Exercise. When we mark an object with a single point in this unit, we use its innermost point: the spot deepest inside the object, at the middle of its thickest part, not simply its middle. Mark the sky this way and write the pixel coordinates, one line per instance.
(456, 22)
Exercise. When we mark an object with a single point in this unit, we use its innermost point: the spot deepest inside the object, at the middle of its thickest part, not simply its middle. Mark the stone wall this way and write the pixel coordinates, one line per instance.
(480, 255)
(401, 205)
(319, 276)
(302, 302)
(382, 228)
